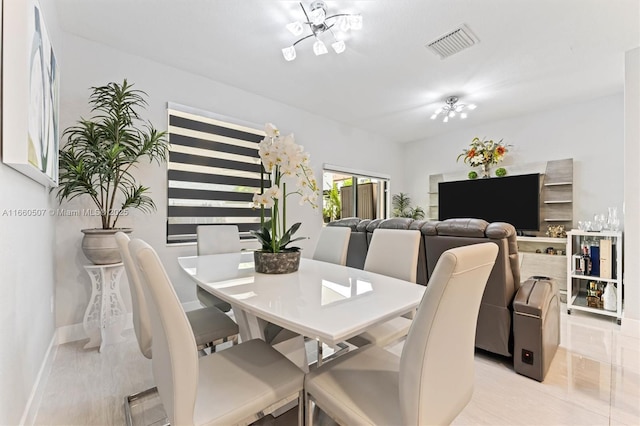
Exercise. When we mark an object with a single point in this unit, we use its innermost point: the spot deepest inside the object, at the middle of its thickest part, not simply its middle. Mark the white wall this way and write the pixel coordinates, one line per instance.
(589, 132)
(632, 183)
(26, 269)
(89, 64)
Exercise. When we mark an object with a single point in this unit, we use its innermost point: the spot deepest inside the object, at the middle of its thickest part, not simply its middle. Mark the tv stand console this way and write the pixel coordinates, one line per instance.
(524, 234)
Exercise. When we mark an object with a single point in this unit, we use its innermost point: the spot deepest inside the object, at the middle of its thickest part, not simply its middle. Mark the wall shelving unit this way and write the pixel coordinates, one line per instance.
(556, 195)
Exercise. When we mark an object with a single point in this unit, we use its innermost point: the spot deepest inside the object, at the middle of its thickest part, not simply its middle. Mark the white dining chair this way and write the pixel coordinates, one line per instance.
(216, 239)
(236, 386)
(333, 244)
(392, 252)
(209, 326)
(432, 381)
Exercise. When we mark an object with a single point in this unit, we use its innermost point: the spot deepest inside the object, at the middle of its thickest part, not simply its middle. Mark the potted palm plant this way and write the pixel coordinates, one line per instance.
(402, 207)
(98, 158)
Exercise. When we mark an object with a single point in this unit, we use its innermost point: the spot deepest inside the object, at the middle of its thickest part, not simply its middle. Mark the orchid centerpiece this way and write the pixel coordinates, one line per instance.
(285, 162)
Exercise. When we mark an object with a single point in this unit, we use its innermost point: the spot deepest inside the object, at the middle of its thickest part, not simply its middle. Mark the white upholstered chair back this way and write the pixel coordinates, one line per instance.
(218, 239)
(333, 244)
(437, 367)
(141, 323)
(394, 252)
(175, 357)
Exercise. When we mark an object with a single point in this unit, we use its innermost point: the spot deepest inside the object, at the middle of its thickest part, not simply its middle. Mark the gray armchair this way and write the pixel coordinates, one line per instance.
(495, 317)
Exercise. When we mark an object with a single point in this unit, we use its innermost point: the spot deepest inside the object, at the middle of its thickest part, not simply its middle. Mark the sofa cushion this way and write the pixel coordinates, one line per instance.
(462, 227)
(371, 226)
(350, 222)
(362, 225)
(396, 223)
(417, 224)
(430, 227)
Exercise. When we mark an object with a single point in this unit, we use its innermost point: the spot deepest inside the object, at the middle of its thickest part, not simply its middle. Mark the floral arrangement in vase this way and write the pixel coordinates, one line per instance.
(483, 153)
(284, 161)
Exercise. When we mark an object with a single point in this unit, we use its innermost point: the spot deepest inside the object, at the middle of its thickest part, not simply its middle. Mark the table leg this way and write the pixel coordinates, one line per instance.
(252, 327)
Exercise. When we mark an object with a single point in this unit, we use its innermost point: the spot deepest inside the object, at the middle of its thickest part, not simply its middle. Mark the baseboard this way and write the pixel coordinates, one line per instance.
(630, 327)
(35, 398)
(70, 333)
(75, 332)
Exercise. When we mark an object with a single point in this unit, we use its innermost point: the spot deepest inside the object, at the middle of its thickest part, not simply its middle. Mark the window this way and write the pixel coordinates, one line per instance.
(369, 200)
(213, 171)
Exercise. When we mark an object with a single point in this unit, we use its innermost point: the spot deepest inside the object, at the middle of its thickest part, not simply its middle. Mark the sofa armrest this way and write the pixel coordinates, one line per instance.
(502, 230)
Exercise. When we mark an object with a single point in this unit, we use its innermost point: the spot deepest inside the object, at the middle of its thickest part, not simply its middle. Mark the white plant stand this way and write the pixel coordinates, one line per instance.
(105, 316)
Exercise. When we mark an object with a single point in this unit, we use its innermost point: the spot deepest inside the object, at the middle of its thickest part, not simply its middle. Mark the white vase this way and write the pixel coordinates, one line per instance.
(609, 299)
(485, 171)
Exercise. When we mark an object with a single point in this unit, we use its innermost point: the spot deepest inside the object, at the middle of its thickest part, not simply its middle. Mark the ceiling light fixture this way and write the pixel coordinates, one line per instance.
(451, 109)
(319, 23)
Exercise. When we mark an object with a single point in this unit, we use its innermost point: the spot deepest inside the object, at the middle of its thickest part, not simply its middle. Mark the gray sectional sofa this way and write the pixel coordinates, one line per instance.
(495, 325)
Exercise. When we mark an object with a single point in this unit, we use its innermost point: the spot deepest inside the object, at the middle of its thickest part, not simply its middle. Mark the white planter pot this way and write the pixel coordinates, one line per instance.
(100, 247)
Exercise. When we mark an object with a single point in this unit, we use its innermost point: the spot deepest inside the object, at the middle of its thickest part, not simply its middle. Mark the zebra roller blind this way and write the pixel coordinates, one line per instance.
(213, 171)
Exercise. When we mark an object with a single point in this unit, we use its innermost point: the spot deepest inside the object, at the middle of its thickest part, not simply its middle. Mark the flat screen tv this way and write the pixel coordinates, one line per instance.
(511, 199)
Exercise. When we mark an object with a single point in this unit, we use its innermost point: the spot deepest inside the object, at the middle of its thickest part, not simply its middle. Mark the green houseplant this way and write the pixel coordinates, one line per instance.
(98, 159)
(401, 203)
(332, 204)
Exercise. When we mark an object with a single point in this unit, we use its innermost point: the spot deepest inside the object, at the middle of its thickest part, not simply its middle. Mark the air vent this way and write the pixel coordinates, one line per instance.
(452, 42)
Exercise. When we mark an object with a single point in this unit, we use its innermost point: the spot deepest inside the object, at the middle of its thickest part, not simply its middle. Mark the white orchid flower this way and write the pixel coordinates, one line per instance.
(260, 200)
(274, 192)
(271, 130)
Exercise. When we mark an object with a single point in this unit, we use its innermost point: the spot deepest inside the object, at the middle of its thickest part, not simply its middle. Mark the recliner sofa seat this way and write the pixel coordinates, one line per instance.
(494, 329)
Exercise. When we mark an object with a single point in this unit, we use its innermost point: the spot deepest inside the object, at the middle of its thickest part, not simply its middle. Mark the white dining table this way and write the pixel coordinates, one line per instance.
(323, 301)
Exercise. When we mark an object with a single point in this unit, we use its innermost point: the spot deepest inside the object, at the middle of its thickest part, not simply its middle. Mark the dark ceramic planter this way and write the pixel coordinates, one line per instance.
(284, 262)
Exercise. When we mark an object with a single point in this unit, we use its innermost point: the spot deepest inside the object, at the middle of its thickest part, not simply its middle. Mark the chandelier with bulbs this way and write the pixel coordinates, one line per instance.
(451, 109)
(319, 23)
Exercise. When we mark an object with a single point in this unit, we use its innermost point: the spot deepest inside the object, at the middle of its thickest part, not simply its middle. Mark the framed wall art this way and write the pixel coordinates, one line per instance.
(30, 94)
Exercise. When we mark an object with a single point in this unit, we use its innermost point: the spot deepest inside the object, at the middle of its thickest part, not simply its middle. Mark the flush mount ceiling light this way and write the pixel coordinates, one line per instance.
(451, 109)
(319, 23)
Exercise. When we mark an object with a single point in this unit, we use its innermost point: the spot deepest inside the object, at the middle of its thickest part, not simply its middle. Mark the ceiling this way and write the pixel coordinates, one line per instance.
(531, 55)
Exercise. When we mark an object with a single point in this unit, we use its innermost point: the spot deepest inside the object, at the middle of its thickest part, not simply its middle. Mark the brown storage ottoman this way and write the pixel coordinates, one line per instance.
(536, 327)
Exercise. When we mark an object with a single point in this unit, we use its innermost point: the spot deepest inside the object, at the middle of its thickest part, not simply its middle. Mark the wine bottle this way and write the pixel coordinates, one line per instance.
(587, 260)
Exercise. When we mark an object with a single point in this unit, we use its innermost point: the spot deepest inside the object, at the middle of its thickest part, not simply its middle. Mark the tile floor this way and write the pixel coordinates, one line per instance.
(594, 380)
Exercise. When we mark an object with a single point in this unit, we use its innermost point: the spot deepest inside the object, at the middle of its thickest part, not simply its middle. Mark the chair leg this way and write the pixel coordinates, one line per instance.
(212, 345)
(132, 398)
(308, 409)
(301, 408)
